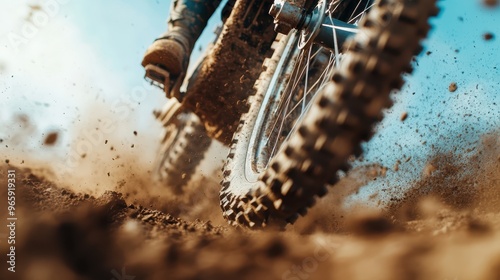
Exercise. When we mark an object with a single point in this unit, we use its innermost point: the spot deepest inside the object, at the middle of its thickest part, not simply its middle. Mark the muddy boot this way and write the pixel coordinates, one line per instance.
(167, 59)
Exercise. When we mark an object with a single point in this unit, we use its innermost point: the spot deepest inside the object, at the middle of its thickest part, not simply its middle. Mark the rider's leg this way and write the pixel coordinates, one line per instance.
(187, 20)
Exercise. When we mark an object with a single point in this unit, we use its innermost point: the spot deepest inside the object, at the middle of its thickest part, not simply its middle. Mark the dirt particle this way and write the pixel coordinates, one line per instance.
(453, 87)
(371, 225)
(7, 161)
(404, 116)
(132, 146)
(429, 169)
(428, 53)
(383, 171)
(109, 174)
(106, 142)
(51, 139)
(478, 227)
(396, 165)
(490, 3)
(83, 156)
(488, 36)
(276, 248)
(135, 133)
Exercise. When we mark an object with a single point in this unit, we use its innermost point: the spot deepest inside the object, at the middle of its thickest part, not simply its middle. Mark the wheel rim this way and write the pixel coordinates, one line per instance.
(302, 71)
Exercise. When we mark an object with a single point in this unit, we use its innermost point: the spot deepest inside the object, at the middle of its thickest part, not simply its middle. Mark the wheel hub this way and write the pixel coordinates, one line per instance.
(315, 26)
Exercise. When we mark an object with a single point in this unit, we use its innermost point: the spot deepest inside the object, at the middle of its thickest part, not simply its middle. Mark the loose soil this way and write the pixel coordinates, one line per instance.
(446, 227)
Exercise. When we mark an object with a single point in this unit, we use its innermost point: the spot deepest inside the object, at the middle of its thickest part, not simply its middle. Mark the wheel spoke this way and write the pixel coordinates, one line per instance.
(306, 72)
(362, 14)
(352, 30)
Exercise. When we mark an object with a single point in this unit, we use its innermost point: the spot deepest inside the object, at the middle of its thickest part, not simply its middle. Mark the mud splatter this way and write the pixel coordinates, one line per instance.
(51, 138)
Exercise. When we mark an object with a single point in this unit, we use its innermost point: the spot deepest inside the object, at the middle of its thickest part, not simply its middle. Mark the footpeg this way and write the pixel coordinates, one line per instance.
(157, 76)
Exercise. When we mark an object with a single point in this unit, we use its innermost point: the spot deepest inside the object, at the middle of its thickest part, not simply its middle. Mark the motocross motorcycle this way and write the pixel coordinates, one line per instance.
(293, 88)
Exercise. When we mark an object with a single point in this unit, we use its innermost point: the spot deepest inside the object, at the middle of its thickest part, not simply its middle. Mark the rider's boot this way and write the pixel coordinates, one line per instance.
(171, 51)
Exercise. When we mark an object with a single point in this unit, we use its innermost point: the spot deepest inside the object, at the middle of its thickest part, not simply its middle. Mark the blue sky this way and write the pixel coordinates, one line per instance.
(458, 54)
(80, 64)
(440, 121)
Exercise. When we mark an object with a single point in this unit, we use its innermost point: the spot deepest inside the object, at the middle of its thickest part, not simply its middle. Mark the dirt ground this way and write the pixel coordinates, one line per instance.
(446, 227)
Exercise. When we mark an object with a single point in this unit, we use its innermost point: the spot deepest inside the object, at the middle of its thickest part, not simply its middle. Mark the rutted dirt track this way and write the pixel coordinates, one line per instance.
(447, 227)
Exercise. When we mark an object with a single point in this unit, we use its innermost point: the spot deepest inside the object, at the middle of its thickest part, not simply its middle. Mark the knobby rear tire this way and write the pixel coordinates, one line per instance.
(183, 146)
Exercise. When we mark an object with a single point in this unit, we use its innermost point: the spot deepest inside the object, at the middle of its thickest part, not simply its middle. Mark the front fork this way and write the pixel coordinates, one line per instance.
(315, 26)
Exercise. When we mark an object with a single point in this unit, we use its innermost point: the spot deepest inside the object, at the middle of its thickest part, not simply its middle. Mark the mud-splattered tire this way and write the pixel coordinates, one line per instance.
(342, 115)
(183, 146)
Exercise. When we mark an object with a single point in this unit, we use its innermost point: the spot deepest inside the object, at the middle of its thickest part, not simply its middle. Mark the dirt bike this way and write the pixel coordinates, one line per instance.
(293, 88)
